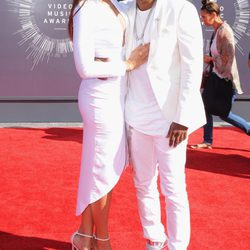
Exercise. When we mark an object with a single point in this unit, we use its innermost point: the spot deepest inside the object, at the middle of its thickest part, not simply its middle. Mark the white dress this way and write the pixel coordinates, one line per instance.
(99, 33)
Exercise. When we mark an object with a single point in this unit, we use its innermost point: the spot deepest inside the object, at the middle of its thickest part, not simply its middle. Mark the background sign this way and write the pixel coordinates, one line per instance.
(36, 54)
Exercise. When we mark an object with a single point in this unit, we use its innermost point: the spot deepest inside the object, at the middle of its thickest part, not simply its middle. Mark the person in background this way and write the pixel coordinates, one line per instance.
(224, 65)
(163, 106)
(96, 28)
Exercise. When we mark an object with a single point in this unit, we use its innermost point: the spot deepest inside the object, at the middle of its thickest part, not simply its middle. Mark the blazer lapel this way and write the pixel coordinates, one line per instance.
(156, 27)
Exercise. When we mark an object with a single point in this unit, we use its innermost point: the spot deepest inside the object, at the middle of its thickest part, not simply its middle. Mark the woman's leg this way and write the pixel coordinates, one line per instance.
(238, 122)
(86, 225)
(208, 130)
(100, 212)
(207, 134)
(86, 228)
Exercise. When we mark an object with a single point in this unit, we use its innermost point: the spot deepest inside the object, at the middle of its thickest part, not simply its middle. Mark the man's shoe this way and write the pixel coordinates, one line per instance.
(156, 245)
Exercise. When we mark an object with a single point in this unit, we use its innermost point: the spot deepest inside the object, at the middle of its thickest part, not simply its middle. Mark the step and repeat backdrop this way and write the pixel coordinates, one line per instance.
(36, 54)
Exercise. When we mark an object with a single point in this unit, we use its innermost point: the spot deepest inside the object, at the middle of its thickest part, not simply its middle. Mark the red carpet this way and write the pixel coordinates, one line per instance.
(39, 175)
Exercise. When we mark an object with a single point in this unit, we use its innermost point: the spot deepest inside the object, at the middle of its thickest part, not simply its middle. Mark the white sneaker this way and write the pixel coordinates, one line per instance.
(156, 245)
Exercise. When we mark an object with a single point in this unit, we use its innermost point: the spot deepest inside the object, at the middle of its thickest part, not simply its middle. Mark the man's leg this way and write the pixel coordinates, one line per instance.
(173, 184)
(145, 179)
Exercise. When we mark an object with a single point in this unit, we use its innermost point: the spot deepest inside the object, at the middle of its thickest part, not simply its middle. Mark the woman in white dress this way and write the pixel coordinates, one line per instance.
(97, 29)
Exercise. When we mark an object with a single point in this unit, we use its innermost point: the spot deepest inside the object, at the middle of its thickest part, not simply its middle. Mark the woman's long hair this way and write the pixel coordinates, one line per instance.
(210, 6)
(71, 16)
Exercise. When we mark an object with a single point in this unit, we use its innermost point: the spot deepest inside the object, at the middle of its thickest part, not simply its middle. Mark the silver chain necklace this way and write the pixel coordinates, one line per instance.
(140, 38)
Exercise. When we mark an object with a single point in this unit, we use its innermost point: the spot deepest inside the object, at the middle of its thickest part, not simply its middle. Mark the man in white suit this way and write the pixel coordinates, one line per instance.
(163, 106)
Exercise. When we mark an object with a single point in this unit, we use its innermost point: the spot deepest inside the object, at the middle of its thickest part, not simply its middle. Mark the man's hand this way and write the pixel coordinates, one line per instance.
(176, 134)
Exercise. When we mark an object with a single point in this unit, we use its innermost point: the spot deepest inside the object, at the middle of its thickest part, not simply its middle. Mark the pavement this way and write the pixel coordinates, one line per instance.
(66, 124)
(41, 124)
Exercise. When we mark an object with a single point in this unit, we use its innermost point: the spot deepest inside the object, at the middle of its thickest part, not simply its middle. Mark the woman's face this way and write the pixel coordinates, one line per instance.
(207, 18)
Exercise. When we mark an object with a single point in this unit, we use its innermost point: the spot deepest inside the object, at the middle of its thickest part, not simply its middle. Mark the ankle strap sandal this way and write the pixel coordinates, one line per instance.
(74, 247)
(100, 239)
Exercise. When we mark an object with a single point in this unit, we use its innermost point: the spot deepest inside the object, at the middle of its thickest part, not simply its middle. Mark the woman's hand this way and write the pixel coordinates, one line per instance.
(138, 57)
(207, 59)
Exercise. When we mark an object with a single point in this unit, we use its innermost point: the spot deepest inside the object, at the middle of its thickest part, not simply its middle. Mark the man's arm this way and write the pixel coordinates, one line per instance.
(191, 55)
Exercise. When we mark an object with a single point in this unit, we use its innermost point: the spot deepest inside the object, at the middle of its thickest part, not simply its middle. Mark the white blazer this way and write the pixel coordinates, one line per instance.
(175, 60)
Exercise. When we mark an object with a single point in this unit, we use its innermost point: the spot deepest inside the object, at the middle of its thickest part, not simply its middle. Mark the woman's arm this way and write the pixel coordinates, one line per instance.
(85, 22)
(87, 65)
(226, 48)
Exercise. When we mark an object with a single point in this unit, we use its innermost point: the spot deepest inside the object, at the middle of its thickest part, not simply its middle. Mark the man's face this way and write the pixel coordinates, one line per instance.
(144, 1)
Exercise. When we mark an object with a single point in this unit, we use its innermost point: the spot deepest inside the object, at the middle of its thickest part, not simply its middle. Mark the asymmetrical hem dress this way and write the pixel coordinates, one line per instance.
(99, 34)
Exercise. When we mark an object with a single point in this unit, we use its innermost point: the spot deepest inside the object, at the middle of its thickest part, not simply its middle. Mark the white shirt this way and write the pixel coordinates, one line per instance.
(215, 53)
(142, 111)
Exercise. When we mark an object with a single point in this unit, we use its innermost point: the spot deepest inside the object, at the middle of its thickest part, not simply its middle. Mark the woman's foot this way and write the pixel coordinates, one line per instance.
(203, 145)
(81, 241)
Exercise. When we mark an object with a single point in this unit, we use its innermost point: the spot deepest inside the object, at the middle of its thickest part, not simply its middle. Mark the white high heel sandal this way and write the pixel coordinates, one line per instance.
(74, 247)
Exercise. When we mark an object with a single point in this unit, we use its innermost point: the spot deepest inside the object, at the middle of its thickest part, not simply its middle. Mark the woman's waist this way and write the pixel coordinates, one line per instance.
(110, 53)
(112, 86)
(108, 81)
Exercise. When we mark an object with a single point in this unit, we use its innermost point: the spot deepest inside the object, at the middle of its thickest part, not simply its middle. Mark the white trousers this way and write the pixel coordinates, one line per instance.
(151, 155)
